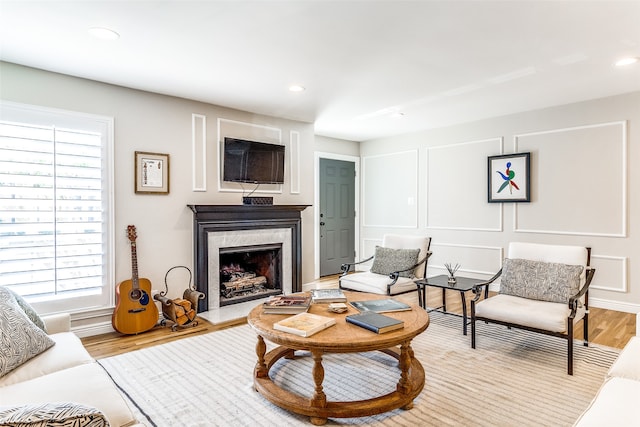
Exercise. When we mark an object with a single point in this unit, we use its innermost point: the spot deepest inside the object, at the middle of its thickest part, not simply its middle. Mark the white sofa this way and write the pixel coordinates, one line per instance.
(64, 373)
(616, 403)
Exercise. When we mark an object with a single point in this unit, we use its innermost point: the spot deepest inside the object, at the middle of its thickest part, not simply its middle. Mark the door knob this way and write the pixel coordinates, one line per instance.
(321, 223)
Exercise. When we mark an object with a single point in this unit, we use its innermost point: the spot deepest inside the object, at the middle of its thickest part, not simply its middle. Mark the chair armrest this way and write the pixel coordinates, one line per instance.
(574, 300)
(477, 288)
(347, 266)
(394, 275)
(56, 323)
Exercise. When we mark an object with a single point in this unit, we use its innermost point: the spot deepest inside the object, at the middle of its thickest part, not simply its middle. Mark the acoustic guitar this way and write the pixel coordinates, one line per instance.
(135, 311)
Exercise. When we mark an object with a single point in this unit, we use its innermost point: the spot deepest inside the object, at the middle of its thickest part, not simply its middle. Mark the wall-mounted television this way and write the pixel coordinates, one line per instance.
(252, 161)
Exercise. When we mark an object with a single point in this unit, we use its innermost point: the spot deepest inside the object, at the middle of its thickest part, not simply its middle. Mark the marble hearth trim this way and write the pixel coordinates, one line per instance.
(240, 238)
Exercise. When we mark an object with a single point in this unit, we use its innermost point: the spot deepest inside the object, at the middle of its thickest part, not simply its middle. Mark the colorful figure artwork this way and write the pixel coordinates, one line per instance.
(508, 179)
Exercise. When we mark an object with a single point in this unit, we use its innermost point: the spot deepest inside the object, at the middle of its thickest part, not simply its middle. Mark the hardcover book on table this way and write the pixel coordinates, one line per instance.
(287, 304)
(380, 305)
(375, 322)
(328, 295)
(304, 324)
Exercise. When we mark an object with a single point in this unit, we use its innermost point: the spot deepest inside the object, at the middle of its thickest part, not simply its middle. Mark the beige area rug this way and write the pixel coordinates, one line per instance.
(513, 378)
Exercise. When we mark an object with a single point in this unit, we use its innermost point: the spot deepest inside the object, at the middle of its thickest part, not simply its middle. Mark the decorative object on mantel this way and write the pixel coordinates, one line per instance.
(180, 311)
(509, 176)
(151, 173)
(452, 272)
(257, 200)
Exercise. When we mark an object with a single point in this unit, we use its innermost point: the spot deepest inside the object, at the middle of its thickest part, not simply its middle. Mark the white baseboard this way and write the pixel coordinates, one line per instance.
(625, 307)
(98, 328)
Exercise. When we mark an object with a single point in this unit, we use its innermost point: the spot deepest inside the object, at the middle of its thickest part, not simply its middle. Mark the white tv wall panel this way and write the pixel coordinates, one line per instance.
(578, 181)
(199, 152)
(294, 161)
(252, 132)
(457, 187)
(390, 190)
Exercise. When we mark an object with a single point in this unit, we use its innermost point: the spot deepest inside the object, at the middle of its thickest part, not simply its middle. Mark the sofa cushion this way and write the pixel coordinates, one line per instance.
(538, 280)
(627, 365)
(376, 283)
(20, 338)
(388, 260)
(67, 352)
(52, 415)
(527, 312)
(572, 255)
(616, 404)
(57, 322)
(87, 383)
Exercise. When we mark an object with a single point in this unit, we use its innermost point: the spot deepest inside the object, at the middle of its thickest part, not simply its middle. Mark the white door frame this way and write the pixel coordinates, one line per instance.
(316, 203)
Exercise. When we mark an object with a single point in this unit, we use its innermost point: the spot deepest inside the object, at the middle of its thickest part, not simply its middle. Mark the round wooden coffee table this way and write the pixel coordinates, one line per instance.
(341, 338)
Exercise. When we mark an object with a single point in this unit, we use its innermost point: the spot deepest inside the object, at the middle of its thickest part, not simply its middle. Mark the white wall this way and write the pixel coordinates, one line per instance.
(162, 124)
(584, 187)
(448, 177)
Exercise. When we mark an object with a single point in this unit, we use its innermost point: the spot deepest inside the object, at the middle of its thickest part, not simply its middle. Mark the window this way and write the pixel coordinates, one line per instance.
(56, 207)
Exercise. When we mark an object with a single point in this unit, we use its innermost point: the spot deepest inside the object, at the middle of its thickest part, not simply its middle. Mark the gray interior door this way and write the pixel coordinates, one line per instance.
(337, 214)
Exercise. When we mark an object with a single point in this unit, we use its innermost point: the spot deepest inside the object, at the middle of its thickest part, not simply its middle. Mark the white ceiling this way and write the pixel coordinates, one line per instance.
(438, 62)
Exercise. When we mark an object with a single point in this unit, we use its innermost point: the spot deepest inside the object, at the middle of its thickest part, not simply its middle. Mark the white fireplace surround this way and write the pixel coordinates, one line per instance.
(242, 238)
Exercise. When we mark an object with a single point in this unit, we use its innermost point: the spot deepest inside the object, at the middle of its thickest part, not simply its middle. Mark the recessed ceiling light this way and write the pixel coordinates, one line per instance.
(103, 33)
(627, 61)
(296, 88)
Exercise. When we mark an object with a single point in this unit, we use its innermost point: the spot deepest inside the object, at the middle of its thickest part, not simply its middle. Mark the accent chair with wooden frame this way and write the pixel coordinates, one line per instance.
(543, 288)
(396, 264)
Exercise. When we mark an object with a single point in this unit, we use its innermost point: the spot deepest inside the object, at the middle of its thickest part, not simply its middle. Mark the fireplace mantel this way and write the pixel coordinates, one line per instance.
(246, 212)
(213, 218)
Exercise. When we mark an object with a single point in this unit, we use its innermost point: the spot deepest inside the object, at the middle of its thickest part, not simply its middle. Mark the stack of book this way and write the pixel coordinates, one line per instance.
(304, 324)
(325, 296)
(287, 304)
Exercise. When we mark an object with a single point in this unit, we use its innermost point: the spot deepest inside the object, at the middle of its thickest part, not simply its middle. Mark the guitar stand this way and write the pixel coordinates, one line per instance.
(181, 312)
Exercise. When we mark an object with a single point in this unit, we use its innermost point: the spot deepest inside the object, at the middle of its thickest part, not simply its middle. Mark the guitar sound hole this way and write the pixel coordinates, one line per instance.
(135, 294)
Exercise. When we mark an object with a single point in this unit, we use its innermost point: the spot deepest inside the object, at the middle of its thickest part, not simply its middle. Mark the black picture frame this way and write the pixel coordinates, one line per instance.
(509, 178)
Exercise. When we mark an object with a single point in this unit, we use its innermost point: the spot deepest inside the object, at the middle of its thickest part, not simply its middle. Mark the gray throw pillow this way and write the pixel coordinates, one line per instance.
(20, 338)
(28, 310)
(64, 414)
(542, 281)
(387, 260)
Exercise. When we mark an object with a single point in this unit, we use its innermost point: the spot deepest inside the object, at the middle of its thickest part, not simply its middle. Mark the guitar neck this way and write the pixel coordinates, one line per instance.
(134, 266)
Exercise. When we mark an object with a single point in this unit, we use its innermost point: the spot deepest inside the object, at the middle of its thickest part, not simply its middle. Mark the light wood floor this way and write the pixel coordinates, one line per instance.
(606, 327)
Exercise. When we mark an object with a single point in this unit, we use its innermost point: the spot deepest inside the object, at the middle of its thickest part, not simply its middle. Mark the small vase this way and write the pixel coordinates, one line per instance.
(451, 280)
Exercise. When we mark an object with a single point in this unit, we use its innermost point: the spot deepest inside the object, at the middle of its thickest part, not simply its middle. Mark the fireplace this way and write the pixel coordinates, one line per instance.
(250, 272)
(230, 241)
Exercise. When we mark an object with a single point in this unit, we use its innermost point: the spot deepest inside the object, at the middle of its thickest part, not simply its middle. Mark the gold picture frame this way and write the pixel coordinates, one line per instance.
(152, 173)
